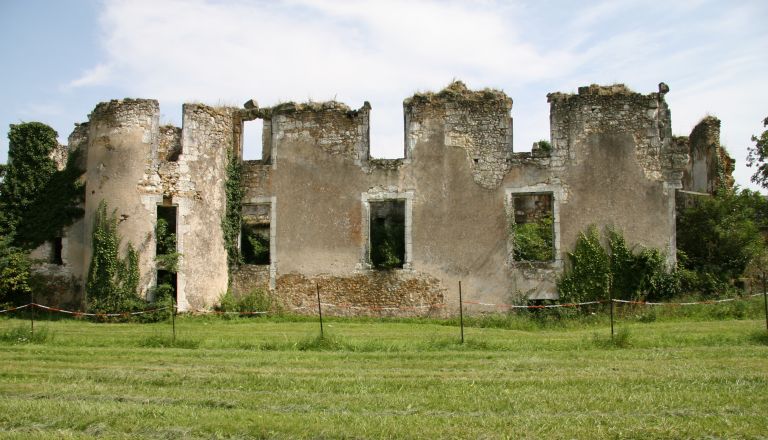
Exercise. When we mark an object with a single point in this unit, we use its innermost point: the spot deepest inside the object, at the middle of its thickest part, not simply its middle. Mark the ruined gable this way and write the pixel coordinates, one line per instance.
(387, 234)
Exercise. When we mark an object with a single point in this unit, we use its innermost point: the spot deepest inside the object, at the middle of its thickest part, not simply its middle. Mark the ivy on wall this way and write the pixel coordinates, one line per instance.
(624, 272)
(36, 200)
(233, 217)
(112, 282)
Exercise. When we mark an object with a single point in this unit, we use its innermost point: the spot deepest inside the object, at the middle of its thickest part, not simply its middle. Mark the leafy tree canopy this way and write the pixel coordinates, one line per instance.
(37, 200)
(757, 156)
(720, 235)
(29, 170)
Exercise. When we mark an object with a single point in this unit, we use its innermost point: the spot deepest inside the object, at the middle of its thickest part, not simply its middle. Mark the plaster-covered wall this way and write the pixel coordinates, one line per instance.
(612, 162)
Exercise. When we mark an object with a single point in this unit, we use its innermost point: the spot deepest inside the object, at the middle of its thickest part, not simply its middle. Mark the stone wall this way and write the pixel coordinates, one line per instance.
(612, 162)
(478, 122)
(386, 293)
(208, 142)
(709, 166)
(248, 277)
(122, 137)
(617, 163)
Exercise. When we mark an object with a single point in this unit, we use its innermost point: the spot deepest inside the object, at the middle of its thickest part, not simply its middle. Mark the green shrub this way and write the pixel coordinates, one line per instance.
(534, 240)
(717, 238)
(255, 245)
(257, 300)
(387, 245)
(629, 274)
(589, 274)
(167, 258)
(14, 273)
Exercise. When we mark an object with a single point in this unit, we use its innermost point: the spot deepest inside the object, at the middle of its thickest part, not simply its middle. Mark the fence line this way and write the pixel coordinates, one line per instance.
(542, 306)
(389, 308)
(76, 313)
(694, 303)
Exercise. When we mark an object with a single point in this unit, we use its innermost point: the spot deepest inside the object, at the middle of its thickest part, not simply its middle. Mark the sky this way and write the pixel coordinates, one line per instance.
(60, 58)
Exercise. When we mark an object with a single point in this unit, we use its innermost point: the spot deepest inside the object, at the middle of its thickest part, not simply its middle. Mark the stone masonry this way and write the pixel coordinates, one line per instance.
(611, 161)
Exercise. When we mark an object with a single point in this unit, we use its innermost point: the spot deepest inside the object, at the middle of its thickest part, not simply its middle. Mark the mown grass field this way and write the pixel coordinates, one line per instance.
(272, 378)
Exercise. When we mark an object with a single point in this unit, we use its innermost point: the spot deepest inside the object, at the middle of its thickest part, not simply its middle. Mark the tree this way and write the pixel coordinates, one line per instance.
(36, 200)
(29, 170)
(758, 155)
(719, 236)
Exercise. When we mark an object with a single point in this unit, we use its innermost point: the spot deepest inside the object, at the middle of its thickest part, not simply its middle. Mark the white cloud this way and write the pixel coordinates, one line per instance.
(312, 49)
(98, 75)
(711, 54)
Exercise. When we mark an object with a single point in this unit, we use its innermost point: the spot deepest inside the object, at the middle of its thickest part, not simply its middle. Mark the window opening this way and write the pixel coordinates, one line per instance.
(56, 251)
(387, 234)
(254, 234)
(533, 227)
(253, 134)
(167, 256)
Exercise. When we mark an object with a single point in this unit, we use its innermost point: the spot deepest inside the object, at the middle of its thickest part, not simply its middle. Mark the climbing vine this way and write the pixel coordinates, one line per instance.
(112, 282)
(230, 224)
(629, 274)
(38, 201)
(29, 169)
(57, 205)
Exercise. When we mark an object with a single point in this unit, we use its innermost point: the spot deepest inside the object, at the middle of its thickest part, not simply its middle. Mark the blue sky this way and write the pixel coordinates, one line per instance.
(61, 58)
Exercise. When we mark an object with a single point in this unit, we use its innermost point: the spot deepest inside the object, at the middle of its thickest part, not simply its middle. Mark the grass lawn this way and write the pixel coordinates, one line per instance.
(271, 378)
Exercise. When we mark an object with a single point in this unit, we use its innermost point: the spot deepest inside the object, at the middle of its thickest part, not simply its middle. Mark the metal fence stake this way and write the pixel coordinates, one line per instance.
(319, 310)
(461, 313)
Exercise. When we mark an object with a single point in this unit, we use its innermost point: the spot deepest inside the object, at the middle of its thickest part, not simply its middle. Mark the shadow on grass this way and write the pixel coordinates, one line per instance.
(759, 337)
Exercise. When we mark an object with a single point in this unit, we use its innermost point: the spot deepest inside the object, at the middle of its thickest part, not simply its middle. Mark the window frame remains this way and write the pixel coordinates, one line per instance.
(555, 195)
(370, 198)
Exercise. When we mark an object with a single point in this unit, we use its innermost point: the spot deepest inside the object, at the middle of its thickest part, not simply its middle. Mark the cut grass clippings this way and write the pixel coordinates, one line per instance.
(276, 378)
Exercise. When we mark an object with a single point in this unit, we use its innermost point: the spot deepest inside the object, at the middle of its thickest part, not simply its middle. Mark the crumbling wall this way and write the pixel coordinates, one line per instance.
(122, 136)
(612, 162)
(617, 164)
(317, 180)
(208, 142)
(256, 181)
(478, 122)
(710, 166)
(169, 143)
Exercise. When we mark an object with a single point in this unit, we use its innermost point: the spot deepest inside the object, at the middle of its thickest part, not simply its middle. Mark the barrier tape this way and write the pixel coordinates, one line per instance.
(14, 308)
(712, 301)
(543, 306)
(74, 313)
(238, 313)
(383, 308)
(377, 308)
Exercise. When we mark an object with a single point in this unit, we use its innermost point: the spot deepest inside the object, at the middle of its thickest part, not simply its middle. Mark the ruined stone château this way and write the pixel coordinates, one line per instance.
(387, 233)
